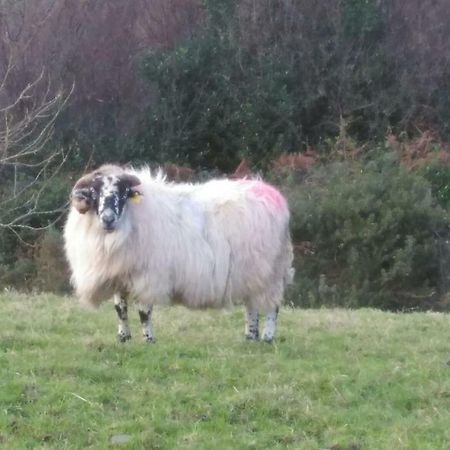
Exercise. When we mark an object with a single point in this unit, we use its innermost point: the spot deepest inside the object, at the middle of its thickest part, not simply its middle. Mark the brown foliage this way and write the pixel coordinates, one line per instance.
(285, 163)
(243, 170)
(178, 173)
(288, 162)
(418, 152)
(304, 248)
(98, 43)
(94, 44)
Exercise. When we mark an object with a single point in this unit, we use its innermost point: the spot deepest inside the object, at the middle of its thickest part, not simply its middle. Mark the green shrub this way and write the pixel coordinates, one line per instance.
(42, 268)
(378, 237)
(438, 174)
(20, 275)
(224, 95)
(218, 102)
(41, 205)
(51, 268)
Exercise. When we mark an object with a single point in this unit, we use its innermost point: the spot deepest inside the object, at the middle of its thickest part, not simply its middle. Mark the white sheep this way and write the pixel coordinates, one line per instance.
(133, 235)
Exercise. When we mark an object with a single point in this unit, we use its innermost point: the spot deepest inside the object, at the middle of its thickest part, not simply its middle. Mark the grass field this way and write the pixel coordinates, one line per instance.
(334, 379)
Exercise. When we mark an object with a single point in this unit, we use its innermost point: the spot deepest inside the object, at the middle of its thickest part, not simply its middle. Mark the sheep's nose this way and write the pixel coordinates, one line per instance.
(108, 217)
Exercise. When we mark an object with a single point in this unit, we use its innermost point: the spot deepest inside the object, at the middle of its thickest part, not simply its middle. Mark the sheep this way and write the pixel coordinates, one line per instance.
(132, 235)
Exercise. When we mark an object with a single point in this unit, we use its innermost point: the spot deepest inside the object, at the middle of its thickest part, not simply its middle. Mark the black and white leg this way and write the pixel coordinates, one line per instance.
(120, 303)
(145, 316)
(252, 324)
(270, 326)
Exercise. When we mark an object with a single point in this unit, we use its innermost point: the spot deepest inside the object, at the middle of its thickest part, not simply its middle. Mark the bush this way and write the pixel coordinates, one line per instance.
(438, 175)
(259, 79)
(19, 275)
(42, 268)
(21, 248)
(224, 95)
(218, 101)
(52, 273)
(376, 237)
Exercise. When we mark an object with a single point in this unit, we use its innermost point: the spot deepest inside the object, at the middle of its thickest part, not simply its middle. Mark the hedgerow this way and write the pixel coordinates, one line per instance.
(370, 233)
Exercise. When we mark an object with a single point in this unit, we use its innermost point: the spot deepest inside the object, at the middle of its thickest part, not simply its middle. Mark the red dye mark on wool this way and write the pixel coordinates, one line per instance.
(269, 194)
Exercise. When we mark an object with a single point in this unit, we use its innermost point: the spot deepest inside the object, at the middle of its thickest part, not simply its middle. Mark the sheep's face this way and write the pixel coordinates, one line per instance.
(106, 194)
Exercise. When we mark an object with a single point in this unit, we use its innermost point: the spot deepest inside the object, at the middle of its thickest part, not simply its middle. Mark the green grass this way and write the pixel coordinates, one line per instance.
(335, 379)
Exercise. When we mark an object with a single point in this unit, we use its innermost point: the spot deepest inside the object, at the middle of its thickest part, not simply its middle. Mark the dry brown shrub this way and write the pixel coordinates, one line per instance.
(243, 170)
(294, 162)
(419, 151)
(178, 173)
(304, 248)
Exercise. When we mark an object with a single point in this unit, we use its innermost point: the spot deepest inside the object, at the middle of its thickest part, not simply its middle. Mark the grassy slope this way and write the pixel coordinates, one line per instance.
(335, 379)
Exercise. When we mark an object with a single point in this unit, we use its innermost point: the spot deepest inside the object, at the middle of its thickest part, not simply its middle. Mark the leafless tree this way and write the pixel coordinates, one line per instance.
(99, 45)
(27, 165)
(92, 44)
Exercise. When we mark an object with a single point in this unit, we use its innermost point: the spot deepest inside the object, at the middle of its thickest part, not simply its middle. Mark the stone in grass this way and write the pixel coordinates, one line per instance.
(120, 439)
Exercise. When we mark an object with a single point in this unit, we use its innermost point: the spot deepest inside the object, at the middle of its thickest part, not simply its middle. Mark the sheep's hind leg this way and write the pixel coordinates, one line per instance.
(120, 303)
(252, 324)
(145, 316)
(270, 326)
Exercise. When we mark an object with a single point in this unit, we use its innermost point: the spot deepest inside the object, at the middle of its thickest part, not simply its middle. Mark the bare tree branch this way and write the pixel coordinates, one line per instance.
(27, 163)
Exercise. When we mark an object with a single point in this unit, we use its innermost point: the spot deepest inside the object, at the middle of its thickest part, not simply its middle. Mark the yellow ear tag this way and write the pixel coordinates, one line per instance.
(137, 198)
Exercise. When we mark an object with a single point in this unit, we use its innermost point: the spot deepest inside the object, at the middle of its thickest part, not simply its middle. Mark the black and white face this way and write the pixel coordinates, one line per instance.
(106, 194)
(112, 196)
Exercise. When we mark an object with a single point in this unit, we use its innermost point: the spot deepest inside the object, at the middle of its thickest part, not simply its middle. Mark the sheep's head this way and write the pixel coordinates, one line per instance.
(106, 192)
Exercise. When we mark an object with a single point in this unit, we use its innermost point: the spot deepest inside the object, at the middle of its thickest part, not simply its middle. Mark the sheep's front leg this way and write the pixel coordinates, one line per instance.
(120, 303)
(252, 324)
(270, 326)
(145, 316)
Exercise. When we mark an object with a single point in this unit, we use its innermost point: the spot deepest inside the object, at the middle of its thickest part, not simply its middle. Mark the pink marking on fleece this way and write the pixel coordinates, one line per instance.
(269, 194)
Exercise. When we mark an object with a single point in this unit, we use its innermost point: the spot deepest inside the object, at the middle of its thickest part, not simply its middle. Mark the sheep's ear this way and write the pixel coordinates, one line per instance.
(81, 196)
(131, 181)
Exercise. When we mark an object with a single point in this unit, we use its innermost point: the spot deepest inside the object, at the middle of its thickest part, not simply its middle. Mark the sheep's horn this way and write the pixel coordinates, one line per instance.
(84, 182)
(131, 180)
(81, 196)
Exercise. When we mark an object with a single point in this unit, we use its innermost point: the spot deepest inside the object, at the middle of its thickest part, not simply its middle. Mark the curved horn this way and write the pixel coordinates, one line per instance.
(130, 180)
(81, 196)
(84, 182)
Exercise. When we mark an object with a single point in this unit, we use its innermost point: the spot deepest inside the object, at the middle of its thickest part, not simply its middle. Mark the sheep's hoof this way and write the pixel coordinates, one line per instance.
(268, 339)
(252, 337)
(123, 337)
(149, 339)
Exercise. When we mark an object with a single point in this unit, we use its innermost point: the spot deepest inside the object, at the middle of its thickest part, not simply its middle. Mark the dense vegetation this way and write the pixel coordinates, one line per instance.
(376, 236)
(359, 86)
